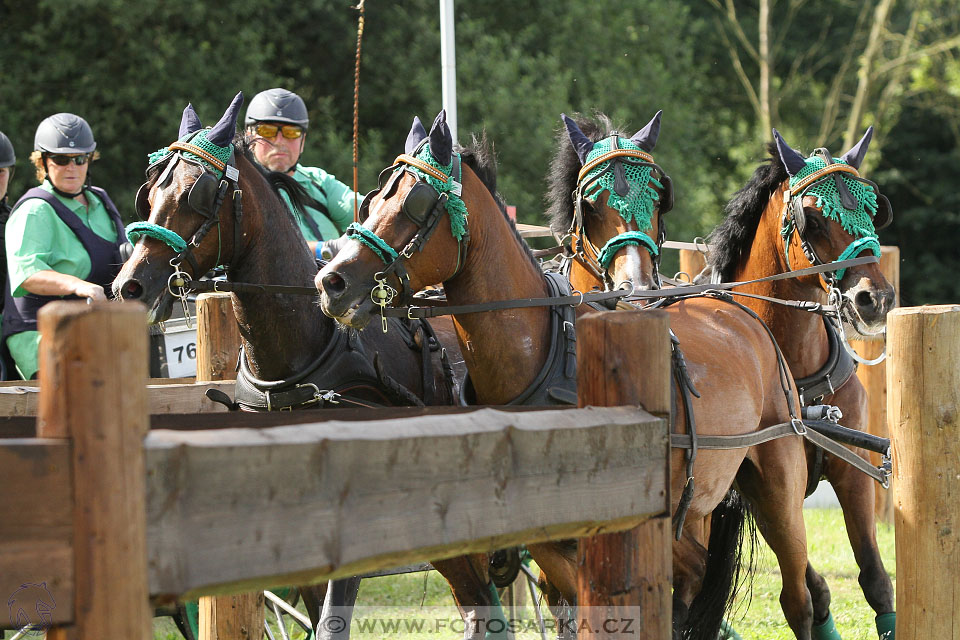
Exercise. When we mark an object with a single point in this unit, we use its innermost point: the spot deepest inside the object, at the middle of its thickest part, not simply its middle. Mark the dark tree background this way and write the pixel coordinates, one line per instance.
(831, 68)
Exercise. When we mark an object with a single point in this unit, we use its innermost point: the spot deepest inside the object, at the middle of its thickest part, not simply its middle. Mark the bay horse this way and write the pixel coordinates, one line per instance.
(747, 245)
(775, 224)
(476, 252)
(281, 334)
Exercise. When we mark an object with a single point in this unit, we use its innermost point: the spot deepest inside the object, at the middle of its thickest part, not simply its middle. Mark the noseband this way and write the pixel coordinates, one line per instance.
(206, 197)
(423, 205)
(597, 260)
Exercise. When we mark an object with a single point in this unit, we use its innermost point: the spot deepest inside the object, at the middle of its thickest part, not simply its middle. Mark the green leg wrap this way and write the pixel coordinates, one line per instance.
(497, 624)
(192, 608)
(727, 632)
(827, 630)
(886, 625)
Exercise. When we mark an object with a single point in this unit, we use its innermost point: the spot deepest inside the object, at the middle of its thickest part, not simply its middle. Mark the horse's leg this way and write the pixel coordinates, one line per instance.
(774, 480)
(560, 608)
(856, 494)
(473, 593)
(558, 580)
(313, 597)
(337, 612)
(689, 566)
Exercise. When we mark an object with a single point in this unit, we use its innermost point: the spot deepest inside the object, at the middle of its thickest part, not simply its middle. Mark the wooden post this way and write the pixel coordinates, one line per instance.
(93, 376)
(626, 575)
(874, 380)
(218, 338)
(923, 403)
(692, 262)
(233, 617)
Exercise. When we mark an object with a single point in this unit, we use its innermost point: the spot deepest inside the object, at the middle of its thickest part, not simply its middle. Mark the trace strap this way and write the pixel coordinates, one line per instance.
(431, 310)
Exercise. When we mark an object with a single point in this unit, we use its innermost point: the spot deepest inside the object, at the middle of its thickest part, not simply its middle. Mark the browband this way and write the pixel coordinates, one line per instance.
(194, 149)
(615, 153)
(820, 174)
(423, 166)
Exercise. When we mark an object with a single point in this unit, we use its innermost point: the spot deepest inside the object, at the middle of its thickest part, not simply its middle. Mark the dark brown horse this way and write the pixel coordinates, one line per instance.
(506, 351)
(282, 334)
(750, 244)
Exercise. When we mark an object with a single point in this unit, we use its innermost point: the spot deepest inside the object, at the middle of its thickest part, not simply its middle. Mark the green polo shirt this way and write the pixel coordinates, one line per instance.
(329, 192)
(38, 240)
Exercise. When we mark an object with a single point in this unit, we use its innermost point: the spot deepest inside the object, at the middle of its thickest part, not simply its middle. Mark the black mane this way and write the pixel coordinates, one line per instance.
(732, 238)
(562, 179)
(480, 157)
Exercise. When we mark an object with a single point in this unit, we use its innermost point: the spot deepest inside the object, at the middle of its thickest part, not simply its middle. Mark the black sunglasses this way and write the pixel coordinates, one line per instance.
(63, 161)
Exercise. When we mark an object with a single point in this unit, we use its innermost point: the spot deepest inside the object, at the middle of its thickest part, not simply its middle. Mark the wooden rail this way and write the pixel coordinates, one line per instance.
(216, 506)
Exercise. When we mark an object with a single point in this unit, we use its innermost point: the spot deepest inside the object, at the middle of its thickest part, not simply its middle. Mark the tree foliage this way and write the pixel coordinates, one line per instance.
(130, 68)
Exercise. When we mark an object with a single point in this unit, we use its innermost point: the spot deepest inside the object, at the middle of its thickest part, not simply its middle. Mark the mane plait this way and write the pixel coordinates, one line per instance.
(732, 238)
(564, 167)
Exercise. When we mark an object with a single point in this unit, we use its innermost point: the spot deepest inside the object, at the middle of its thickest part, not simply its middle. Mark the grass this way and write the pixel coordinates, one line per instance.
(828, 548)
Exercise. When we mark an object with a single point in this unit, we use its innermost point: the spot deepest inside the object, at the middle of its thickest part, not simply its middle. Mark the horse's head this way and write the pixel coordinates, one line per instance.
(619, 195)
(413, 230)
(829, 213)
(186, 207)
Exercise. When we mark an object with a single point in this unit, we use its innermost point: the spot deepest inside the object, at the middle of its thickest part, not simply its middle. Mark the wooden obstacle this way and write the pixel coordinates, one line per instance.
(106, 517)
(923, 405)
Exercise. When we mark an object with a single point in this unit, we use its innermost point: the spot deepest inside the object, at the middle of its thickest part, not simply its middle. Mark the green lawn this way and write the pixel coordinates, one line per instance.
(425, 596)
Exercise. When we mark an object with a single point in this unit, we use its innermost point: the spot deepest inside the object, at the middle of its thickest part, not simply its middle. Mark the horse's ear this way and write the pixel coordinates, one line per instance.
(415, 137)
(647, 137)
(190, 123)
(441, 141)
(792, 161)
(223, 132)
(581, 143)
(855, 156)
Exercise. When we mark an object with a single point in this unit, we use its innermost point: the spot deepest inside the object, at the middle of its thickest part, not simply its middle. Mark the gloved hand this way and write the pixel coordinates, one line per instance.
(332, 247)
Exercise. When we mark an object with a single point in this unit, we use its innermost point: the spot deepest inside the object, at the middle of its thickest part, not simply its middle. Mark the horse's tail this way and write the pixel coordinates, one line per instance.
(730, 563)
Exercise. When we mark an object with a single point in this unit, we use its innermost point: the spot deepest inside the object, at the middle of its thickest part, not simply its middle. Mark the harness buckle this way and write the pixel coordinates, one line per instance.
(798, 427)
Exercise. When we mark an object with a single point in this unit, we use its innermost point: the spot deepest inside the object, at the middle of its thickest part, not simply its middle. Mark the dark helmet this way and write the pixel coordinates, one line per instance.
(7, 156)
(277, 105)
(64, 133)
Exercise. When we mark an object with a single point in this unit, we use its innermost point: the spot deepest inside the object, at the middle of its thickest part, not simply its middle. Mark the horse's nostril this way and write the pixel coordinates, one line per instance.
(131, 290)
(333, 284)
(864, 299)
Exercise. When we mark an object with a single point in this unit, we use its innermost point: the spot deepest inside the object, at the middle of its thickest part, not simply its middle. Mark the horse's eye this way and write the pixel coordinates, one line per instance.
(815, 221)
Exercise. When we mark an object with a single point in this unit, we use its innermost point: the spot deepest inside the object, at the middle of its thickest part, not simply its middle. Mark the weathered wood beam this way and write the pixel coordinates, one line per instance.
(239, 509)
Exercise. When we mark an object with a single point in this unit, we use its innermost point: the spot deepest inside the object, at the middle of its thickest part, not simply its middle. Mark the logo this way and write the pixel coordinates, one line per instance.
(279, 112)
(31, 608)
(72, 143)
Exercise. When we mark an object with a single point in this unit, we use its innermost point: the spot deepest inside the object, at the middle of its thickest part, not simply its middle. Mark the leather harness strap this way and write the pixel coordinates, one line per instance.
(423, 166)
(197, 151)
(610, 155)
(816, 176)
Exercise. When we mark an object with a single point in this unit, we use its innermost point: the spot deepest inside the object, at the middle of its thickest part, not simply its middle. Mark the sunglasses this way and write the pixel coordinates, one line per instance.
(63, 161)
(289, 131)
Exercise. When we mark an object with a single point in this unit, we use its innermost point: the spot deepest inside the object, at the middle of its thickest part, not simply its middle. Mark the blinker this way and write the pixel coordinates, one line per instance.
(203, 193)
(419, 201)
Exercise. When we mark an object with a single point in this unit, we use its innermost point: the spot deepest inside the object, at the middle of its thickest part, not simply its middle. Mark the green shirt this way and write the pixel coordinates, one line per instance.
(327, 191)
(38, 240)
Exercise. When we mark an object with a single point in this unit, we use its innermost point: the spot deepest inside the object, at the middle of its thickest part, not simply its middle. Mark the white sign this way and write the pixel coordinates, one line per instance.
(180, 345)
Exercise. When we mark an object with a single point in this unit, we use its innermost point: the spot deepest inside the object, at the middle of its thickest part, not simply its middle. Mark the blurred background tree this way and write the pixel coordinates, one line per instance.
(723, 71)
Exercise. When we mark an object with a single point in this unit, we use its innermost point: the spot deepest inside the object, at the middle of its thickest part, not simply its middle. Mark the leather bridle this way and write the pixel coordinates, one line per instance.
(795, 219)
(596, 260)
(424, 206)
(206, 197)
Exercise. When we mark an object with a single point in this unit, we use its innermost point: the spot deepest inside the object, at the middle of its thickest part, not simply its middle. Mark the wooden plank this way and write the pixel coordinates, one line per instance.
(627, 576)
(169, 397)
(533, 231)
(93, 369)
(874, 380)
(235, 509)
(36, 524)
(692, 262)
(923, 402)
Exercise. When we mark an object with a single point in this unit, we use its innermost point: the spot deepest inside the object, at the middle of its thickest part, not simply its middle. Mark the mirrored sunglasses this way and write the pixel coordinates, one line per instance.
(289, 131)
(63, 161)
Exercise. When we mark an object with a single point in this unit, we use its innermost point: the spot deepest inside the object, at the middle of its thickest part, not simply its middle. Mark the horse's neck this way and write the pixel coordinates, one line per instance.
(800, 334)
(281, 334)
(504, 349)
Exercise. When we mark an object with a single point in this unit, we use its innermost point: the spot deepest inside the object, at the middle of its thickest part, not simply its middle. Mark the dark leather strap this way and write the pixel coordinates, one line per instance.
(836, 371)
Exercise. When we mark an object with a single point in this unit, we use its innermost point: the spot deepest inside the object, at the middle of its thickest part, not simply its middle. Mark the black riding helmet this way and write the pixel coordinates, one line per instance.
(7, 157)
(277, 105)
(64, 133)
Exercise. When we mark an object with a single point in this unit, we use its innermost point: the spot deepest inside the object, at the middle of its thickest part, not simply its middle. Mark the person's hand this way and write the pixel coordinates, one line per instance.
(92, 292)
